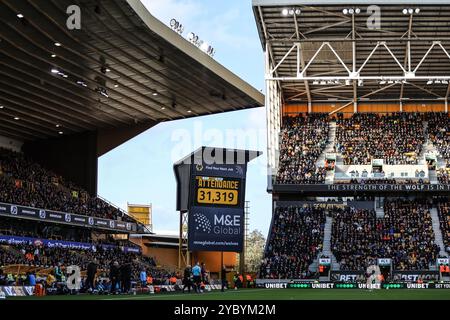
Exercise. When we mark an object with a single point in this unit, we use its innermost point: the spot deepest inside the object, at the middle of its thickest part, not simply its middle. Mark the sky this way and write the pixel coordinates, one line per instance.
(141, 170)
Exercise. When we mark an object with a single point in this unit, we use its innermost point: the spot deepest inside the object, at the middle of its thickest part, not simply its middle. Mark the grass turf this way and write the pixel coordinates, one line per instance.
(271, 294)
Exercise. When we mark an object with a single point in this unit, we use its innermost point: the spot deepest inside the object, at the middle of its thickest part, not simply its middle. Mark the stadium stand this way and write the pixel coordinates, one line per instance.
(439, 133)
(24, 182)
(303, 138)
(443, 208)
(405, 234)
(396, 138)
(290, 251)
(44, 259)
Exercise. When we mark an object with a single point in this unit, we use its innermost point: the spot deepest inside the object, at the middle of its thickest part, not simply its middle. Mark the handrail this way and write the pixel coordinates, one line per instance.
(113, 205)
(125, 213)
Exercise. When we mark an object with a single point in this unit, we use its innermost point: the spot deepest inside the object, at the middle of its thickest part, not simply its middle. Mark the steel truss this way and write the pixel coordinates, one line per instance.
(408, 73)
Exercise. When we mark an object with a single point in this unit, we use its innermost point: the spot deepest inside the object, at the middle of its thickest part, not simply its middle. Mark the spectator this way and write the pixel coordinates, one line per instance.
(302, 140)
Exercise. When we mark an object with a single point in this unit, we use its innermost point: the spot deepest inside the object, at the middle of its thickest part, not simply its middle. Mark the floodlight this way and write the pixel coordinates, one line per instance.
(285, 12)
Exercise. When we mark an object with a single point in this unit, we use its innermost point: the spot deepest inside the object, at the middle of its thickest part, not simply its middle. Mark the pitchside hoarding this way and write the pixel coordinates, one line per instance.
(16, 291)
(413, 276)
(347, 276)
(13, 240)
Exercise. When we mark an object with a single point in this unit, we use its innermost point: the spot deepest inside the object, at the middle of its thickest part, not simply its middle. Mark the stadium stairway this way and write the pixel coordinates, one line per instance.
(379, 207)
(433, 177)
(327, 244)
(330, 146)
(437, 232)
(12, 250)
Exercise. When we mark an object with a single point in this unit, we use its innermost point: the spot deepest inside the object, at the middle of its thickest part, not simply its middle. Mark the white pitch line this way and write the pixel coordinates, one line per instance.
(131, 297)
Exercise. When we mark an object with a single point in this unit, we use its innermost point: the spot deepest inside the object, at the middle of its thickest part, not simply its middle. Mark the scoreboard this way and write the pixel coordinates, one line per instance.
(217, 191)
(216, 215)
(211, 190)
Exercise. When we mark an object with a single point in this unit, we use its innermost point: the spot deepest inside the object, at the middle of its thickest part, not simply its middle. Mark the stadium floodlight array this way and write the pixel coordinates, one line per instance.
(176, 26)
(290, 12)
(351, 11)
(102, 91)
(192, 38)
(327, 82)
(410, 11)
(81, 83)
(391, 81)
(437, 81)
(59, 73)
(202, 45)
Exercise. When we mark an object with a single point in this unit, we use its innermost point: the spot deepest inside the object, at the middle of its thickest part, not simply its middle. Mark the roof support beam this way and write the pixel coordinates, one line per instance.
(407, 61)
(340, 108)
(425, 90)
(355, 85)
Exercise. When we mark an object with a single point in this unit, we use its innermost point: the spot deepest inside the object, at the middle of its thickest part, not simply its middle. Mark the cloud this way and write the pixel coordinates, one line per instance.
(215, 27)
(257, 118)
(183, 10)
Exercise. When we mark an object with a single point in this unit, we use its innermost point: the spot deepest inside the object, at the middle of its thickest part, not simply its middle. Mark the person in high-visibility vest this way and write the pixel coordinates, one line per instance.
(248, 279)
(321, 269)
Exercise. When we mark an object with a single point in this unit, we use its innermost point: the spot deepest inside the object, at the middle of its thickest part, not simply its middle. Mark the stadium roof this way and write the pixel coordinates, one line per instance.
(293, 39)
(123, 68)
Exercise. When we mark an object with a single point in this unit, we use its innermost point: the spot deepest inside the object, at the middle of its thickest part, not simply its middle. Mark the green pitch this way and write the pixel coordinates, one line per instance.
(271, 294)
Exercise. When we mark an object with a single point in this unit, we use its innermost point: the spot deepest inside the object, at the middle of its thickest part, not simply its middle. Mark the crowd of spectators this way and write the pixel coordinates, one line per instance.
(295, 239)
(358, 237)
(302, 139)
(53, 257)
(24, 182)
(443, 207)
(35, 229)
(439, 133)
(381, 181)
(397, 138)
(443, 175)
(405, 234)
